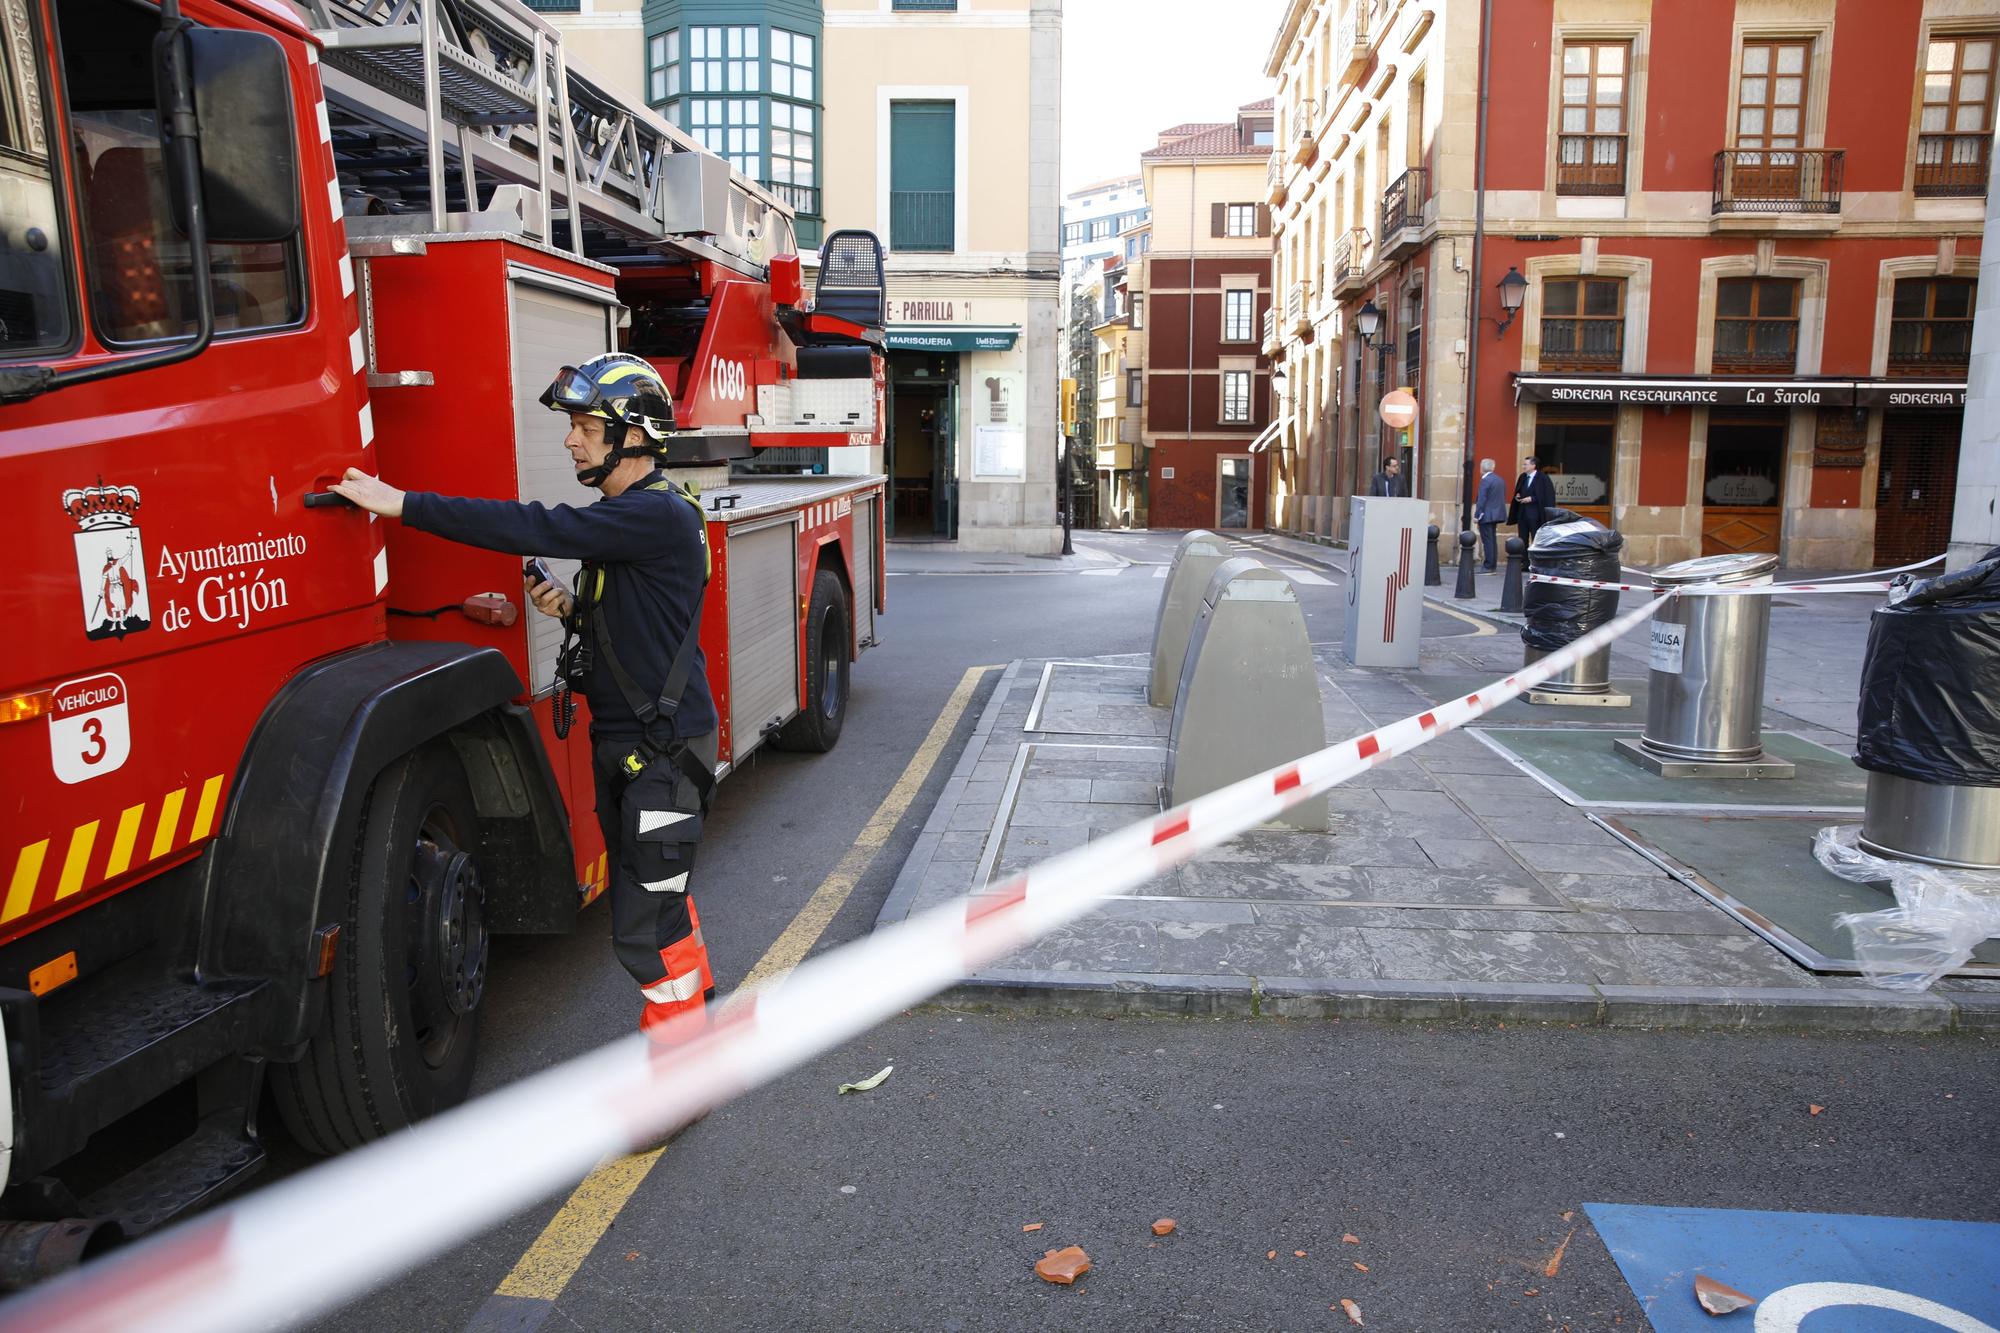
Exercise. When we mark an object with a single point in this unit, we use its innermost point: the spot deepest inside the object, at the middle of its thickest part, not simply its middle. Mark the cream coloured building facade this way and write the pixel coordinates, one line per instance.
(942, 136)
(1371, 193)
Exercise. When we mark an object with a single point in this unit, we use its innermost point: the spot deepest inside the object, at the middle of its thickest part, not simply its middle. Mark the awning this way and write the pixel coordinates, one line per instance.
(953, 337)
(1736, 390)
(1270, 433)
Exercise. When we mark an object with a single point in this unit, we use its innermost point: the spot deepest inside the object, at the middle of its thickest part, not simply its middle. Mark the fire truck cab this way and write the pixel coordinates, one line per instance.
(277, 772)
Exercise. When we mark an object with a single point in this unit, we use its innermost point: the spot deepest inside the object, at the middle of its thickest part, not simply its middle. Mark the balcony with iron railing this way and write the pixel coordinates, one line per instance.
(1351, 41)
(1350, 262)
(1953, 166)
(1930, 346)
(1275, 172)
(1297, 322)
(1582, 344)
(804, 199)
(1798, 182)
(1590, 164)
(1270, 343)
(1756, 346)
(1403, 212)
(922, 220)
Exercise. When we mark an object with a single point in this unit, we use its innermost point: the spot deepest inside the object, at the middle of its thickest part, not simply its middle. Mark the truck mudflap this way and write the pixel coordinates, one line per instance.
(303, 786)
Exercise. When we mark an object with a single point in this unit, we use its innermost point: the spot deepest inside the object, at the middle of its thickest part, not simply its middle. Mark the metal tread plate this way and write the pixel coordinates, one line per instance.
(194, 1170)
(88, 1034)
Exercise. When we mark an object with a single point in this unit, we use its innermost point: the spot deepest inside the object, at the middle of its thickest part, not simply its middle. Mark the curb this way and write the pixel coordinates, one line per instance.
(1105, 994)
(909, 880)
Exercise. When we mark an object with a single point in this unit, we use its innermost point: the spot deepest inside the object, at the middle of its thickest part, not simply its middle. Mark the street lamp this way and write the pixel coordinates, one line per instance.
(1513, 291)
(1367, 321)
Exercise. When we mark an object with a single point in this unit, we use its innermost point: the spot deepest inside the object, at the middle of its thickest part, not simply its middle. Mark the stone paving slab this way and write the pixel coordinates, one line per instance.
(1443, 888)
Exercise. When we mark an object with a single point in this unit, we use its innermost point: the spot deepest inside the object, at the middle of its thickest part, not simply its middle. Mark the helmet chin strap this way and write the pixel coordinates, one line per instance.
(615, 435)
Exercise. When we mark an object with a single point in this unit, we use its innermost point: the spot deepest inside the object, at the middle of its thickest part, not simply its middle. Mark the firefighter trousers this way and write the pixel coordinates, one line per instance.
(652, 824)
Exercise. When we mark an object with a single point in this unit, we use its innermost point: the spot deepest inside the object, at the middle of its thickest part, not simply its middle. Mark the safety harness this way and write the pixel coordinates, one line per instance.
(587, 631)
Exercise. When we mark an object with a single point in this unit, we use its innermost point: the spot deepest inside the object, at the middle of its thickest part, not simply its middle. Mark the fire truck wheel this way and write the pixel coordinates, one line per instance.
(395, 1041)
(828, 648)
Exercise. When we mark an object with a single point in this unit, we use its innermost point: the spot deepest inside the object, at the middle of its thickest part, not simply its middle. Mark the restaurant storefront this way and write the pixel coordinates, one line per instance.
(1826, 471)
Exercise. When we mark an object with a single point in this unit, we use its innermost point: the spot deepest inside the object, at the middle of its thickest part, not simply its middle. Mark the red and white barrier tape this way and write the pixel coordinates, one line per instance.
(307, 1243)
(1715, 589)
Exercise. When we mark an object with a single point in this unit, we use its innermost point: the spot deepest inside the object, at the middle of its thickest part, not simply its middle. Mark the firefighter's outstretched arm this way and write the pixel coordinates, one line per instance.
(370, 493)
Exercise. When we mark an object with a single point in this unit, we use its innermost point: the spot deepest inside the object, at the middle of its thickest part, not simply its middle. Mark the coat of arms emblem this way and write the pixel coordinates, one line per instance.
(110, 562)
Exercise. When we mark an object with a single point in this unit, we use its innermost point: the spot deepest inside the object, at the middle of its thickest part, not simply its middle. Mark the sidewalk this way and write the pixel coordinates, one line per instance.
(1453, 882)
(946, 558)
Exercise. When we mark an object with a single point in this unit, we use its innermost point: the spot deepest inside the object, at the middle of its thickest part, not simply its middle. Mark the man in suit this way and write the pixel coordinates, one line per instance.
(1389, 481)
(1489, 507)
(1534, 497)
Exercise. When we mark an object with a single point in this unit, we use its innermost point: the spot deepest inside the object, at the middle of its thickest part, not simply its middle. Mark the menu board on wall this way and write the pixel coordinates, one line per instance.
(1840, 440)
(999, 453)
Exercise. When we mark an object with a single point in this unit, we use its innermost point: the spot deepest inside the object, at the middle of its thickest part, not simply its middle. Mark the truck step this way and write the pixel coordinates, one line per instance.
(99, 1045)
(214, 1159)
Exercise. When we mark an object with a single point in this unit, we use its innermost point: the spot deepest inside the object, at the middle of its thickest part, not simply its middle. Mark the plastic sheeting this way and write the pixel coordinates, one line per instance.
(1930, 684)
(1941, 914)
(1571, 546)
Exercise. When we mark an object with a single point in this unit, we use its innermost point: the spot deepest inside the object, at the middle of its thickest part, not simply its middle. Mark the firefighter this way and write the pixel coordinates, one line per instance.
(632, 651)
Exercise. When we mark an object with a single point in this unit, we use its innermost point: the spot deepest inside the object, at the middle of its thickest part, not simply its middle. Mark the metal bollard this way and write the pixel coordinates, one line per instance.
(1467, 586)
(1510, 582)
(1705, 705)
(1433, 576)
(1194, 561)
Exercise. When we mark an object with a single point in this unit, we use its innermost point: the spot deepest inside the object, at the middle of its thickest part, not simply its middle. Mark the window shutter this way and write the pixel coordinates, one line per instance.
(1218, 219)
(1263, 220)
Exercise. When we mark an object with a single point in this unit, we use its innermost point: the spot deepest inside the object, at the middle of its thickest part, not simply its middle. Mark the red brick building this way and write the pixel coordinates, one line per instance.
(1199, 300)
(1749, 231)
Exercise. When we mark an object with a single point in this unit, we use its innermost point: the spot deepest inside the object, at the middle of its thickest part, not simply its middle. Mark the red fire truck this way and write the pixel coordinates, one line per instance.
(276, 772)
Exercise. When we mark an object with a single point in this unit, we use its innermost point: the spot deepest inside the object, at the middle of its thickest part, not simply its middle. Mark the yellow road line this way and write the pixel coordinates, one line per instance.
(548, 1265)
(1482, 627)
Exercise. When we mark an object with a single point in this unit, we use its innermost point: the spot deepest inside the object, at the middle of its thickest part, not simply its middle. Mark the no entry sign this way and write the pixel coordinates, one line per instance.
(1398, 409)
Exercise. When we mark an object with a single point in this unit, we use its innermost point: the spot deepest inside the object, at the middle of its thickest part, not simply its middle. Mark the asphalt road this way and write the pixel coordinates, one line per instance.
(1450, 1153)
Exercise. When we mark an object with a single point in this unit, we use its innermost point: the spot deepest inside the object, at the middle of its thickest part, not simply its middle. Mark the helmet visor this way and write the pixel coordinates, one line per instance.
(571, 391)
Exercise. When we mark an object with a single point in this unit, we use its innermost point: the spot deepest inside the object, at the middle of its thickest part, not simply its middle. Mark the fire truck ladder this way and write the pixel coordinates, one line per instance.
(437, 105)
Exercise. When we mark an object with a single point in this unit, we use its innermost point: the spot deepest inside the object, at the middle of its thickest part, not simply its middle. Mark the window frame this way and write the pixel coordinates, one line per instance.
(1925, 362)
(791, 65)
(297, 275)
(1961, 164)
(1579, 321)
(1751, 363)
(1230, 297)
(54, 167)
(1135, 388)
(1595, 174)
(721, 64)
(1244, 414)
(1246, 214)
(663, 67)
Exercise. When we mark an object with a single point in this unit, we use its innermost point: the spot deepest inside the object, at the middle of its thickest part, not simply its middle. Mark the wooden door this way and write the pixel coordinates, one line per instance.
(1743, 490)
(1770, 115)
(1915, 485)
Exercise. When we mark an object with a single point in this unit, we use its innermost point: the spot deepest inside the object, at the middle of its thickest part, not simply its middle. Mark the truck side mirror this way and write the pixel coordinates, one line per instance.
(249, 151)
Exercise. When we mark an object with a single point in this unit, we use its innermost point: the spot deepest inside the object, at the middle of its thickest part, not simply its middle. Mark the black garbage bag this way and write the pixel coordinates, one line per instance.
(1930, 684)
(1574, 547)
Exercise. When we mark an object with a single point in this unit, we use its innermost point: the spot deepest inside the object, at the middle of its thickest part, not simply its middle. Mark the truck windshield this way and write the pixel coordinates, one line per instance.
(141, 287)
(34, 303)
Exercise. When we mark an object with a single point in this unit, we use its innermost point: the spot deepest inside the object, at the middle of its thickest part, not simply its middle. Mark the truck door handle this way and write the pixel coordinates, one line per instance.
(326, 499)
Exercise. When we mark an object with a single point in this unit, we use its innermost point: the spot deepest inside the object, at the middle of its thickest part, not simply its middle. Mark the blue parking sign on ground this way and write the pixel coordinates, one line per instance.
(1811, 1272)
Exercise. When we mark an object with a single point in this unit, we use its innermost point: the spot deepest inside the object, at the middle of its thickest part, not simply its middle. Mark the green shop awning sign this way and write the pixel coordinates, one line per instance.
(953, 337)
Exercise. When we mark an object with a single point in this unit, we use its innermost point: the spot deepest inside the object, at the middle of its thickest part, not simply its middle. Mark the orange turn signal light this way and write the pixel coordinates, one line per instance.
(25, 707)
(55, 972)
(326, 941)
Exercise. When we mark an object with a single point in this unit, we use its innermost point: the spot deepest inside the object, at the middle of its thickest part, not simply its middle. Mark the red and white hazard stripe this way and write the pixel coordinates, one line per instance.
(307, 1243)
(1716, 589)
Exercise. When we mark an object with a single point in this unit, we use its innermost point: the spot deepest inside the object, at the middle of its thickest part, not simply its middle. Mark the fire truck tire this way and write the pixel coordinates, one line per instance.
(829, 650)
(396, 1039)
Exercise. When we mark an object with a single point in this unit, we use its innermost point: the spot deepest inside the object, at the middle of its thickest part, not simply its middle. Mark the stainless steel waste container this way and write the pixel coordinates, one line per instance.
(1591, 676)
(1707, 682)
(1944, 825)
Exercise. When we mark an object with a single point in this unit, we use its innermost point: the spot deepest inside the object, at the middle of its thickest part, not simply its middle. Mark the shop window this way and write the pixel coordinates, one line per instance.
(1930, 326)
(140, 268)
(1577, 447)
(1590, 150)
(1756, 325)
(1583, 323)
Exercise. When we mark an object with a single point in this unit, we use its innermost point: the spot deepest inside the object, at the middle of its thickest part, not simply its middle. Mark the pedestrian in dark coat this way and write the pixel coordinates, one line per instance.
(1489, 507)
(1534, 497)
(1389, 481)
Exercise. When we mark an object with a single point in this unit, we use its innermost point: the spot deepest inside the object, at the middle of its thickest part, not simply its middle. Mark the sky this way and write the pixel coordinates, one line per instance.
(1131, 68)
